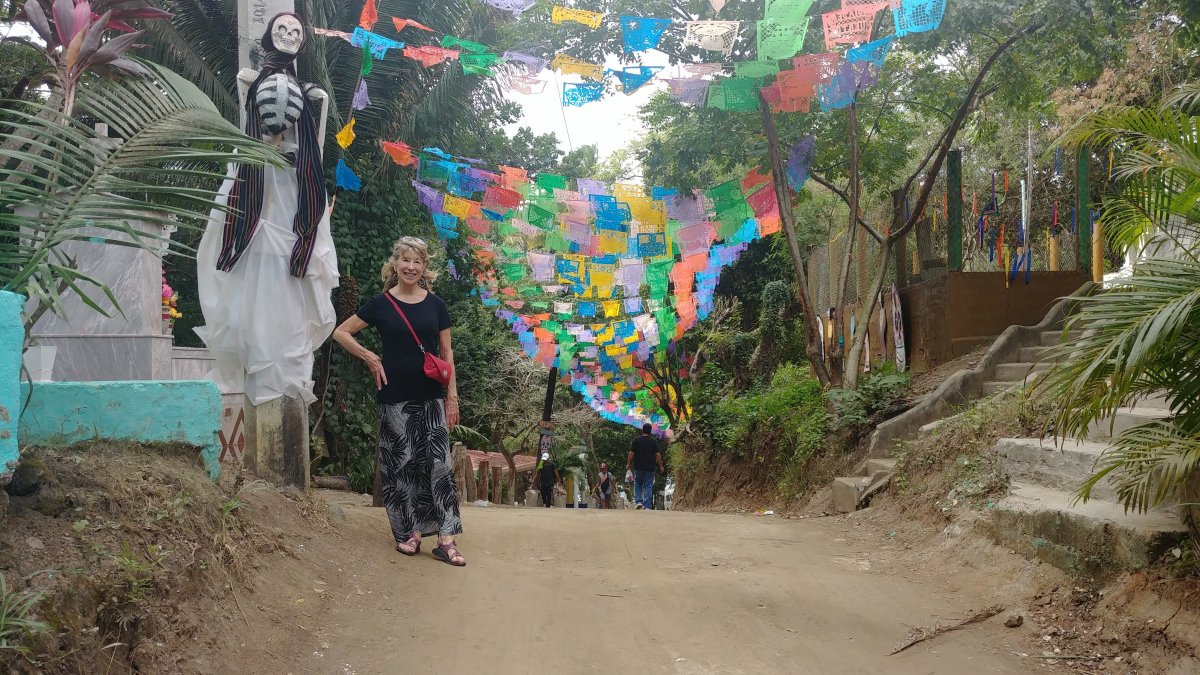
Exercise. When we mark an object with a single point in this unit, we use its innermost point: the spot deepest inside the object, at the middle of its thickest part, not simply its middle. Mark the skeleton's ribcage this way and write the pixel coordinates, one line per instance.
(279, 101)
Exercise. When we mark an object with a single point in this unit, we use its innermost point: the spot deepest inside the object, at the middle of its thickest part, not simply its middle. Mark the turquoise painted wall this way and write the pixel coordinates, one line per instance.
(12, 344)
(187, 411)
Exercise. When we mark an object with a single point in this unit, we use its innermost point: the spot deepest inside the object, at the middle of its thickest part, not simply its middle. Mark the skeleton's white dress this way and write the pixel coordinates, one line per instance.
(262, 324)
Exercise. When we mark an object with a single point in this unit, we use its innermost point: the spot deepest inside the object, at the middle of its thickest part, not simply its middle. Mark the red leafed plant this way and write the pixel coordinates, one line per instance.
(77, 41)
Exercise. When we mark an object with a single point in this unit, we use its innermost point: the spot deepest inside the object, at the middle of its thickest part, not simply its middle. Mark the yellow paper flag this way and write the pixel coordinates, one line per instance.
(562, 14)
(569, 65)
(611, 308)
(459, 208)
(613, 243)
(346, 136)
(649, 212)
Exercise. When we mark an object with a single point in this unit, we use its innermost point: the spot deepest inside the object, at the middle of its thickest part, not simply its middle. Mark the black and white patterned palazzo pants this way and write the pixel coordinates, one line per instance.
(414, 466)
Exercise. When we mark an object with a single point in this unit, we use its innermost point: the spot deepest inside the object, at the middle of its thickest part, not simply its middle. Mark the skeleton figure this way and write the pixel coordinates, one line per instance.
(266, 263)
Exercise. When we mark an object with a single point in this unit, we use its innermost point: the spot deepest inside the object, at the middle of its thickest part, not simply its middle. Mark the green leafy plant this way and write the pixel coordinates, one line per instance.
(876, 393)
(790, 411)
(1142, 336)
(76, 42)
(63, 180)
(17, 622)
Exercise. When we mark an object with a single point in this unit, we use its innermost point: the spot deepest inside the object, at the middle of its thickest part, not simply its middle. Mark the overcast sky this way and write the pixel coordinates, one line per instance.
(610, 123)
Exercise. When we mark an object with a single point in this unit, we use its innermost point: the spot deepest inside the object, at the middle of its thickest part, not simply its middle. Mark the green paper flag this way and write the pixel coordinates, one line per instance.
(780, 39)
(541, 217)
(756, 69)
(734, 93)
(556, 242)
(787, 11)
(449, 41)
(726, 195)
(367, 61)
(513, 272)
(478, 64)
(550, 181)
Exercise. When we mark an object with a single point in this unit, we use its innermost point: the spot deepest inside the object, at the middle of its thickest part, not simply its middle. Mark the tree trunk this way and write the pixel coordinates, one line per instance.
(839, 289)
(938, 153)
(863, 321)
(812, 332)
(512, 476)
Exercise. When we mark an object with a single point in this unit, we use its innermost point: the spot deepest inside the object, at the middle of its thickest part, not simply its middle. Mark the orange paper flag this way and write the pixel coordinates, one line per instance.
(401, 153)
(401, 24)
(369, 15)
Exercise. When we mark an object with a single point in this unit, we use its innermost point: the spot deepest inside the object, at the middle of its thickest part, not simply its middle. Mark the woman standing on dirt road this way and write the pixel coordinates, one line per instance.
(416, 412)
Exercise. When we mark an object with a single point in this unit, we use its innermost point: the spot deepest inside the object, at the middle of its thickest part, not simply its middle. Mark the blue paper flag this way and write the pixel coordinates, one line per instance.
(652, 244)
(641, 33)
(873, 52)
(634, 77)
(917, 16)
(378, 44)
(577, 94)
(346, 178)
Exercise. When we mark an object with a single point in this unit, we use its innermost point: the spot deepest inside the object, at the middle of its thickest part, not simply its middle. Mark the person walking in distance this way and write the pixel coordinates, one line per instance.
(547, 479)
(644, 457)
(604, 487)
(416, 411)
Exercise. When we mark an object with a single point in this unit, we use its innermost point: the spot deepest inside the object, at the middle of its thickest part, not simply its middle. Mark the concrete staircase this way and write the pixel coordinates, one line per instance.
(1040, 518)
(1014, 357)
(1013, 360)
(1028, 364)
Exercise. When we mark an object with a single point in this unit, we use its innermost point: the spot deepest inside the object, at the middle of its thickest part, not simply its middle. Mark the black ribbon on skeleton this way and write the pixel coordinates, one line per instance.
(246, 198)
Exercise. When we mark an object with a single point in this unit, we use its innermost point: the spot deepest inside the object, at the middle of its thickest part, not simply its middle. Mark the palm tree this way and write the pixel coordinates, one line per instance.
(62, 179)
(1143, 336)
(409, 102)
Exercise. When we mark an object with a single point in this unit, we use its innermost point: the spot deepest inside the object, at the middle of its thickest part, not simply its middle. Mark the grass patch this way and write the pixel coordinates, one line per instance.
(957, 464)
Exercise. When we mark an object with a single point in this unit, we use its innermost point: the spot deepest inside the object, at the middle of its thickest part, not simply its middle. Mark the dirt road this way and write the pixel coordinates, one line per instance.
(569, 591)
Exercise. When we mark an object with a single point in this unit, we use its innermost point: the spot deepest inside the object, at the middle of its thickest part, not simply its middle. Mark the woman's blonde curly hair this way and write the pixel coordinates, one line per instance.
(388, 274)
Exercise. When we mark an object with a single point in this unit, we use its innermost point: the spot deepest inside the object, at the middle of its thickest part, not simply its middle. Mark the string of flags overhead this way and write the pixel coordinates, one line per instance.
(597, 279)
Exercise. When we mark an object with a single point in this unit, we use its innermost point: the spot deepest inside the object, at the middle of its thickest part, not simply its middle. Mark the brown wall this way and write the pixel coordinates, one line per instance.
(946, 317)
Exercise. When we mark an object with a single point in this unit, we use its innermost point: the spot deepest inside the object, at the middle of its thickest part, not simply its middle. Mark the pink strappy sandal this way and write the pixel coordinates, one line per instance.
(448, 552)
(414, 540)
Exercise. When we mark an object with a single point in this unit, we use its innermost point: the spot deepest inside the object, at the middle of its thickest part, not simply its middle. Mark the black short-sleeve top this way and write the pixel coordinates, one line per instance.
(402, 359)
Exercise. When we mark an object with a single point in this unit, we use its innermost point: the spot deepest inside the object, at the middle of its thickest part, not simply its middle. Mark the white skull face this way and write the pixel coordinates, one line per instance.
(287, 34)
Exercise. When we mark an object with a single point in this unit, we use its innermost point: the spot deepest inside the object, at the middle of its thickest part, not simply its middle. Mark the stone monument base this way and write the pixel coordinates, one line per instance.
(277, 441)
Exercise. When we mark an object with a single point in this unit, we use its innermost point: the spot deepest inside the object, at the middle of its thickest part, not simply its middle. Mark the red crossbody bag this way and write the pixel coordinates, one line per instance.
(436, 369)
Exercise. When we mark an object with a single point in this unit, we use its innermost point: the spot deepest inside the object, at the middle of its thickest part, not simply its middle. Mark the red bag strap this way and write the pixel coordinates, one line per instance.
(406, 323)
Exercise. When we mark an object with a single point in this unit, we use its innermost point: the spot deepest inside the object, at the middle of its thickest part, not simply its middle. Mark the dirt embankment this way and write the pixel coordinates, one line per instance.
(116, 556)
(145, 565)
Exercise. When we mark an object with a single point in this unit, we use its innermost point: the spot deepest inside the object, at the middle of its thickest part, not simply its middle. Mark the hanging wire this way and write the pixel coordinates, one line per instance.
(563, 109)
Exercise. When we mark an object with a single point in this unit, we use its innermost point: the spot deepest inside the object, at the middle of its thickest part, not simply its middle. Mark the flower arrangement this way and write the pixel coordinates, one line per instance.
(169, 312)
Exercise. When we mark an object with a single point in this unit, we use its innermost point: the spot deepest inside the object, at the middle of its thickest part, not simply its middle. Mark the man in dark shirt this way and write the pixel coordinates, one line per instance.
(644, 456)
(547, 479)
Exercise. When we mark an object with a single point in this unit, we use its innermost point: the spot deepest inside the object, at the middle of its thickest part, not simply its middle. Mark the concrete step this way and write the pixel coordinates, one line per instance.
(1123, 419)
(847, 490)
(1026, 380)
(927, 430)
(1040, 462)
(1012, 372)
(1054, 337)
(877, 468)
(1156, 400)
(1033, 354)
(990, 388)
(1092, 538)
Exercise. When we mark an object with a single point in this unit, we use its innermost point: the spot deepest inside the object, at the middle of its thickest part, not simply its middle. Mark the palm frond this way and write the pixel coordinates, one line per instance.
(1147, 465)
(1129, 333)
(66, 181)
(200, 43)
